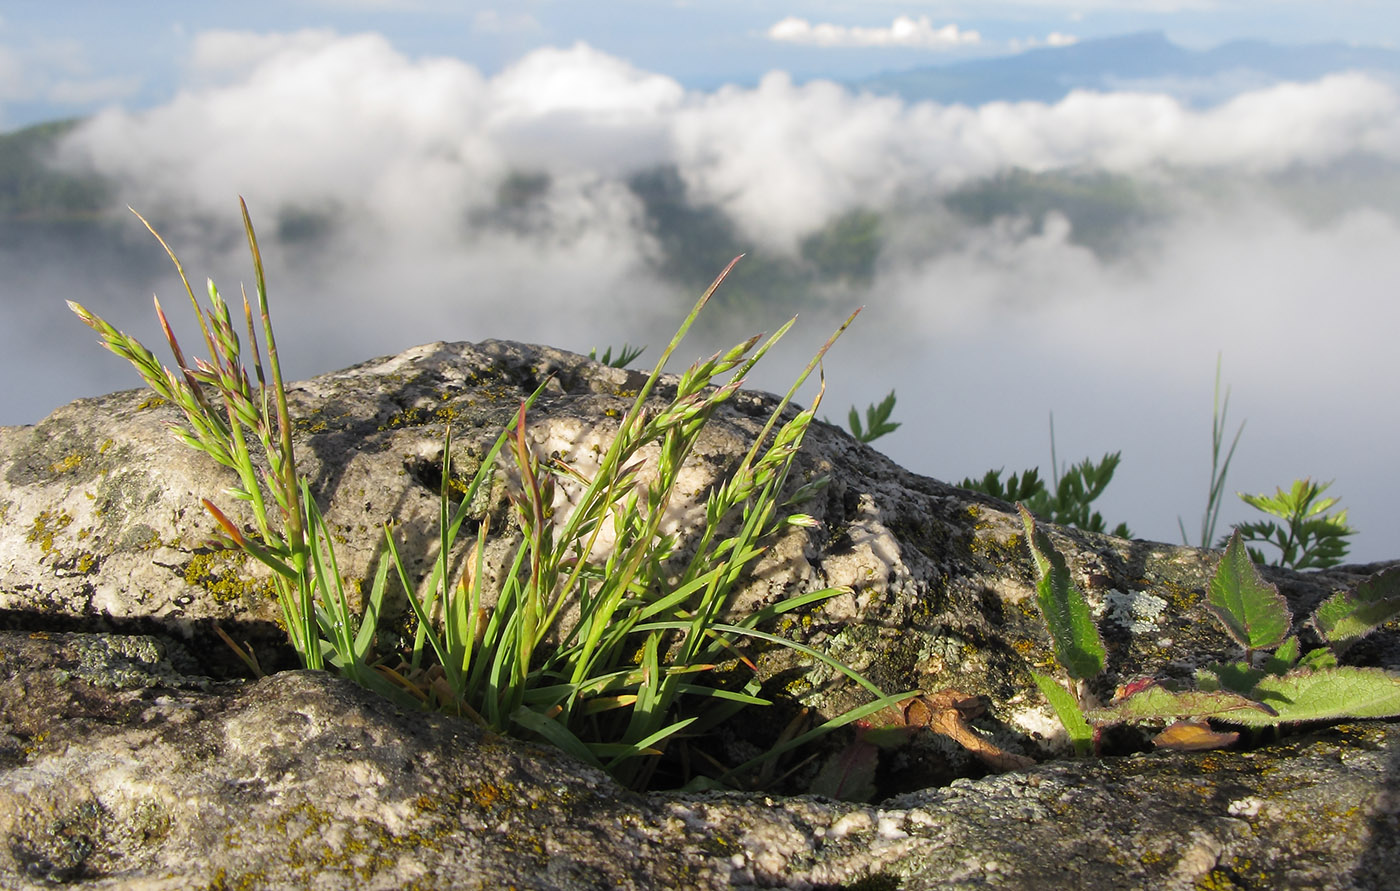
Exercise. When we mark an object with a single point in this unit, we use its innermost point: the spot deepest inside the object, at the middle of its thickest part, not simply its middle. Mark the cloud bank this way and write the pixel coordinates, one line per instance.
(1088, 257)
(904, 31)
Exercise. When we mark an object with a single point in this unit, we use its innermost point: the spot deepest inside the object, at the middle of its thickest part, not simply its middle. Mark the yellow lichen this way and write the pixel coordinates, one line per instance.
(68, 464)
(45, 526)
(221, 573)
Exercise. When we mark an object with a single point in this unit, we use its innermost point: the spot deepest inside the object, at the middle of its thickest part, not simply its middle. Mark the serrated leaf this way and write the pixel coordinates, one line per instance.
(1252, 610)
(1156, 703)
(1329, 694)
(1067, 709)
(1078, 646)
(1348, 616)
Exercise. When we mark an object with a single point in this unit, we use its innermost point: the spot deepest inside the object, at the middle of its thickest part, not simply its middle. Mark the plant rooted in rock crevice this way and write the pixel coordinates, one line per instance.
(597, 634)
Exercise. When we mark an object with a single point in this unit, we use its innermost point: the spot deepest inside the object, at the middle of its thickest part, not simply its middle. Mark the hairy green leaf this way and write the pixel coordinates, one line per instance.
(1157, 703)
(1066, 708)
(1348, 616)
(1252, 610)
(1233, 677)
(1284, 658)
(1078, 646)
(1328, 694)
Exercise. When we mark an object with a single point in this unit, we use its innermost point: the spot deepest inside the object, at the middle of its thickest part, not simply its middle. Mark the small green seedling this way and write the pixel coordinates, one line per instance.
(1071, 504)
(1309, 538)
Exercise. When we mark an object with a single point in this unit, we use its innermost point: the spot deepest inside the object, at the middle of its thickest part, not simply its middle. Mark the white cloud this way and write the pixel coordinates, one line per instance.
(783, 154)
(404, 158)
(315, 119)
(1053, 39)
(904, 31)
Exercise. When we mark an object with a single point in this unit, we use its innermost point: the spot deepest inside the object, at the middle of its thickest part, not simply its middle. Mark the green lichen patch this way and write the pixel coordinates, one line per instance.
(79, 563)
(418, 416)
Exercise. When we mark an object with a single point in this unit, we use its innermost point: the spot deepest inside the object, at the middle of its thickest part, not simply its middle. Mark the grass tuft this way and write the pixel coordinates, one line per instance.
(604, 652)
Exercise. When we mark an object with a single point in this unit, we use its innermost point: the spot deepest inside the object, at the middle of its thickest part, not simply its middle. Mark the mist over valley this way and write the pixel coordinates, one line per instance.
(1089, 253)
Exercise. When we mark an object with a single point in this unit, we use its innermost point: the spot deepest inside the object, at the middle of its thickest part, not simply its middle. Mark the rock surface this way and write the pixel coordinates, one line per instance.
(132, 759)
(118, 772)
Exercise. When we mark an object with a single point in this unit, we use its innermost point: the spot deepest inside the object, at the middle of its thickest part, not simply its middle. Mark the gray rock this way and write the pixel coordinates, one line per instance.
(303, 780)
(124, 764)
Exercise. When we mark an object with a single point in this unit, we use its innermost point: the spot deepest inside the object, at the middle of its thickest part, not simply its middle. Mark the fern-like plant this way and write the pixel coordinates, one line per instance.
(1309, 537)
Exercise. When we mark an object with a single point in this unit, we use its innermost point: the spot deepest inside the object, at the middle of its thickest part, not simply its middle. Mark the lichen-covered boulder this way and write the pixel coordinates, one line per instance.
(132, 754)
(117, 770)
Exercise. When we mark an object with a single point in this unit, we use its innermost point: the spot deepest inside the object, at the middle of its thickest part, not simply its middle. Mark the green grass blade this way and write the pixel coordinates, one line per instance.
(625, 751)
(369, 622)
(557, 734)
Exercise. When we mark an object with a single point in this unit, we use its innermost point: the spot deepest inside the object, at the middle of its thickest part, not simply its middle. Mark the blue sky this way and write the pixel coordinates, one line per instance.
(73, 56)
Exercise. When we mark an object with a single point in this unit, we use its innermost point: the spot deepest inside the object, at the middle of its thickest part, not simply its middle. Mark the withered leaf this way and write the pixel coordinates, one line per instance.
(1193, 736)
(946, 713)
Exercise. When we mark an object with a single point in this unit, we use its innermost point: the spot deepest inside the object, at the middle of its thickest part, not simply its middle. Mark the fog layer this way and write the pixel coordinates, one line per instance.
(1089, 258)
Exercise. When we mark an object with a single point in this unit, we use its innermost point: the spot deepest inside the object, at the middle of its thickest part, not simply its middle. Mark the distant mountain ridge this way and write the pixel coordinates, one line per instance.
(1145, 60)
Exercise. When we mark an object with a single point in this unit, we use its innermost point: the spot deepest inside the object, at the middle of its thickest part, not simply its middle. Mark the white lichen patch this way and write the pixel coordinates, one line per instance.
(1245, 807)
(1039, 723)
(890, 826)
(1137, 611)
(855, 821)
